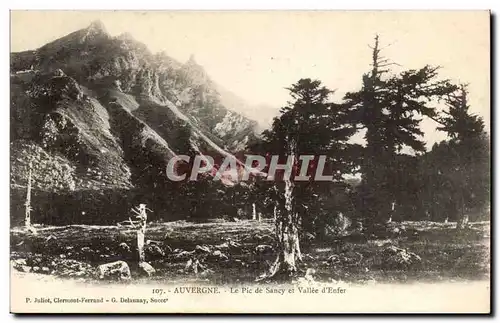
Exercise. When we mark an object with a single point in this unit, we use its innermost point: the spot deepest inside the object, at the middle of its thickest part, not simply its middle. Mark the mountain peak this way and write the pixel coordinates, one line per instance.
(95, 30)
(126, 36)
(97, 26)
(191, 60)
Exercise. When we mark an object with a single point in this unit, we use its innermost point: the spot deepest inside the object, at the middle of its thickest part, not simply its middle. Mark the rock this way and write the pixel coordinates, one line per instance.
(21, 265)
(308, 277)
(73, 268)
(118, 269)
(309, 236)
(220, 256)
(309, 274)
(348, 258)
(167, 249)
(153, 251)
(194, 265)
(264, 248)
(45, 270)
(124, 248)
(333, 259)
(206, 272)
(58, 72)
(395, 230)
(394, 257)
(202, 249)
(49, 238)
(183, 254)
(24, 269)
(146, 269)
(229, 244)
(351, 258)
(19, 262)
(191, 265)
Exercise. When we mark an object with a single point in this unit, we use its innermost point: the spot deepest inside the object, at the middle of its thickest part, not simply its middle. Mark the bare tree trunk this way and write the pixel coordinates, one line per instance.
(141, 232)
(27, 216)
(287, 234)
(463, 219)
(140, 244)
(254, 212)
(460, 223)
(392, 212)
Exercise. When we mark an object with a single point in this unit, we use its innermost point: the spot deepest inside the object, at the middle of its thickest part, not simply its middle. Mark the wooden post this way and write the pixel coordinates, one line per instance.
(27, 216)
(393, 204)
(141, 231)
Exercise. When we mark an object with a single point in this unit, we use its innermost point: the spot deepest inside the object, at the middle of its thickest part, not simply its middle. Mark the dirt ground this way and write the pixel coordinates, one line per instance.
(237, 252)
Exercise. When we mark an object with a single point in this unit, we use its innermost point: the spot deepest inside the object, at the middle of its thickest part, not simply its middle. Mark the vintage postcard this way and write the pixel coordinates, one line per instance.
(250, 162)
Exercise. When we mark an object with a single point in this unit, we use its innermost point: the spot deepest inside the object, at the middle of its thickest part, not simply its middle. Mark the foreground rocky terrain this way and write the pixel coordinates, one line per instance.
(229, 252)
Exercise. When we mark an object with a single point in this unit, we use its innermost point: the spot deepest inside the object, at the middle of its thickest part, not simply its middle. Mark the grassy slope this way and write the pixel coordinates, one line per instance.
(446, 255)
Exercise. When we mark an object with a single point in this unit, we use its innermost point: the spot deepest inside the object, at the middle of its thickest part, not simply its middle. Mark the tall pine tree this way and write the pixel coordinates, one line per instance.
(467, 167)
(390, 108)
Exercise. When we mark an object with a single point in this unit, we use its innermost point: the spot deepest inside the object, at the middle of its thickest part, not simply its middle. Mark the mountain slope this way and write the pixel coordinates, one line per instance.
(95, 59)
(92, 112)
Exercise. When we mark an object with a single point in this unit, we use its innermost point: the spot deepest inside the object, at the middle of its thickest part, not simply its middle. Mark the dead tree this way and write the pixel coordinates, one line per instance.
(287, 231)
(140, 224)
(463, 216)
(27, 215)
(393, 204)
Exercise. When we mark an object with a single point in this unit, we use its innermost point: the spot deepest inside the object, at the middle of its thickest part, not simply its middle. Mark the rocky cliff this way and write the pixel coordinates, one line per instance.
(94, 112)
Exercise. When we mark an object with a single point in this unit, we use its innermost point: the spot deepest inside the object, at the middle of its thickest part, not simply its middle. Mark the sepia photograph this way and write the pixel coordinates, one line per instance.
(250, 162)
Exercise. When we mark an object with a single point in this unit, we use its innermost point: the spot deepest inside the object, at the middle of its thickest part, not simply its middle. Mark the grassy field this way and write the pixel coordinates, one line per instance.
(234, 255)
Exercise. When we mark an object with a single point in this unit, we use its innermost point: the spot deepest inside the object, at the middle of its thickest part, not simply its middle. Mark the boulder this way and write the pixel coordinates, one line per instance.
(348, 258)
(217, 254)
(333, 259)
(167, 249)
(146, 269)
(19, 262)
(229, 244)
(394, 257)
(183, 254)
(73, 268)
(21, 265)
(153, 251)
(264, 248)
(194, 265)
(202, 249)
(114, 270)
(124, 248)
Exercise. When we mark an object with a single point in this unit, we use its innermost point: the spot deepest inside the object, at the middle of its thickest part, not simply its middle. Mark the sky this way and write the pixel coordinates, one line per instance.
(257, 54)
